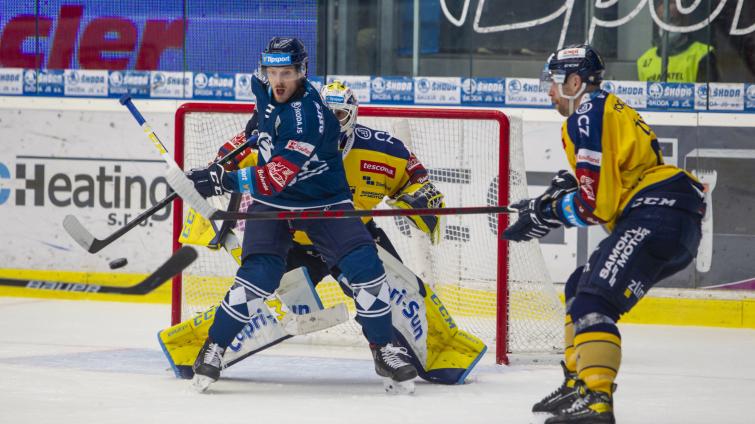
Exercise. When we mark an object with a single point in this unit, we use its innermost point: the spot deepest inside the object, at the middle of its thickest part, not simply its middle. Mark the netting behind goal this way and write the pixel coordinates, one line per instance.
(499, 291)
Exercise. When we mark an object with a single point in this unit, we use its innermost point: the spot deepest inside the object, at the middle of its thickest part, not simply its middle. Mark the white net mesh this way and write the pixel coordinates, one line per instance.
(462, 158)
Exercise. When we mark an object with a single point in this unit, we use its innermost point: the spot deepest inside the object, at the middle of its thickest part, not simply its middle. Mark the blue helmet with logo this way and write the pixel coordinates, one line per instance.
(582, 60)
(285, 51)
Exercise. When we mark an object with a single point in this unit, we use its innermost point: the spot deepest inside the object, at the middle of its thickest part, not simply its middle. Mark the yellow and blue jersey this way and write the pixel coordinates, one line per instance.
(377, 165)
(615, 155)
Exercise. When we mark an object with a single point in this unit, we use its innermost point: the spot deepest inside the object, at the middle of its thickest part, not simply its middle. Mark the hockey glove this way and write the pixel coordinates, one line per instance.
(536, 216)
(420, 196)
(211, 181)
(240, 159)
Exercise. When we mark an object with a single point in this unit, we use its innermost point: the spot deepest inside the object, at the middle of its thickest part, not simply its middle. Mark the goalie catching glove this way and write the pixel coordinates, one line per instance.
(422, 196)
(538, 216)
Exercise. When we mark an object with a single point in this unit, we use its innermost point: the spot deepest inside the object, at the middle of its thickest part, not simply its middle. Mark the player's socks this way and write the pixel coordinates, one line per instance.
(598, 359)
(392, 362)
(207, 366)
(561, 398)
(591, 407)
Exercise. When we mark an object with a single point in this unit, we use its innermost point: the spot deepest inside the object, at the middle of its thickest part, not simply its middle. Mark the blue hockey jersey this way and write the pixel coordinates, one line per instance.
(299, 165)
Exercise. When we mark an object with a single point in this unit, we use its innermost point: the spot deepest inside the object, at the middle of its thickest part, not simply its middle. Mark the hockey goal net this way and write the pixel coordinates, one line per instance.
(499, 291)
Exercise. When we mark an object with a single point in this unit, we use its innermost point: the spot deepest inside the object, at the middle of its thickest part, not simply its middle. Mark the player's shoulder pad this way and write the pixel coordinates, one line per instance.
(259, 89)
(585, 125)
(377, 140)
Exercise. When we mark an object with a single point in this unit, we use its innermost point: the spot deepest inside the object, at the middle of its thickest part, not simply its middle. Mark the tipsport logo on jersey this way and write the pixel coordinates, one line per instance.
(675, 96)
(392, 90)
(437, 90)
(526, 92)
(483, 91)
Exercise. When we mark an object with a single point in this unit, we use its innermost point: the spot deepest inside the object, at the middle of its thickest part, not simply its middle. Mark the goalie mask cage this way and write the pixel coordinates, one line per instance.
(497, 290)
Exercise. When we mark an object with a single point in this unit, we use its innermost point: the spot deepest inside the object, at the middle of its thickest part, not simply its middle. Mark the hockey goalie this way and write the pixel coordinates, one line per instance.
(440, 351)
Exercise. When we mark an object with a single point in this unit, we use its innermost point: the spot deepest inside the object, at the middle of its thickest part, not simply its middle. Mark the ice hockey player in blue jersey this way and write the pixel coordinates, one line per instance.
(299, 166)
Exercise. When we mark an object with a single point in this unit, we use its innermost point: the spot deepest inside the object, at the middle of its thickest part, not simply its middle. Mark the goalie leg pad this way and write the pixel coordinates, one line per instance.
(181, 343)
(440, 351)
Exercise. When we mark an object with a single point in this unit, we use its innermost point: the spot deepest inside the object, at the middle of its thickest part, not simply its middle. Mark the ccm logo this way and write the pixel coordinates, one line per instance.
(378, 168)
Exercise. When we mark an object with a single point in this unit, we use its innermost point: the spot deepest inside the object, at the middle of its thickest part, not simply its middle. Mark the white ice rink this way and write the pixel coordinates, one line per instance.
(96, 362)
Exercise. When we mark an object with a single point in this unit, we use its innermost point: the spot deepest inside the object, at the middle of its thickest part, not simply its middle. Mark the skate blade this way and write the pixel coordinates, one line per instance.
(200, 383)
(540, 417)
(393, 387)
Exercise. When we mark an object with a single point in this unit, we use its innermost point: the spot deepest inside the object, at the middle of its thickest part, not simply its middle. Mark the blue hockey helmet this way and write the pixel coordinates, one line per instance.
(582, 60)
(285, 51)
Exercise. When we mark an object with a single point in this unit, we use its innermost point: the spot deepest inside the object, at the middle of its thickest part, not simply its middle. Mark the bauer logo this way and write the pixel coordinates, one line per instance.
(729, 97)
(526, 92)
(215, 85)
(680, 96)
(360, 85)
(483, 91)
(86, 83)
(243, 87)
(392, 90)
(11, 81)
(173, 85)
(438, 90)
(633, 93)
(46, 82)
(134, 83)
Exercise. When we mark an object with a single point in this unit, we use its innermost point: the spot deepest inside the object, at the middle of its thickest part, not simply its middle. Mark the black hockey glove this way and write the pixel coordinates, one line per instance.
(211, 181)
(536, 216)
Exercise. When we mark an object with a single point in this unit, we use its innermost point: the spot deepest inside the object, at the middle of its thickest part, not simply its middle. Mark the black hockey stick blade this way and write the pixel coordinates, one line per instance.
(179, 261)
(91, 244)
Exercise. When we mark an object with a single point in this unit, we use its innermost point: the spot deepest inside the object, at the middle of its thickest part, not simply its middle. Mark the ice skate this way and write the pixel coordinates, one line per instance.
(591, 407)
(207, 366)
(392, 363)
(559, 399)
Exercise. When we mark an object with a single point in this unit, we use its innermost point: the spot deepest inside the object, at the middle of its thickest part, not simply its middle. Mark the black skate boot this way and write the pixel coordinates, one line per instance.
(591, 407)
(392, 363)
(207, 365)
(559, 399)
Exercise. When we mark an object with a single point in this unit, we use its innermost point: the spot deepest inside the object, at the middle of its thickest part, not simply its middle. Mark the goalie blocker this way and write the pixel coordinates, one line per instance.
(441, 352)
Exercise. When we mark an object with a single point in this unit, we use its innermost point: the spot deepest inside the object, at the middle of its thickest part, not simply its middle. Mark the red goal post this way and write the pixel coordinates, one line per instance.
(468, 152)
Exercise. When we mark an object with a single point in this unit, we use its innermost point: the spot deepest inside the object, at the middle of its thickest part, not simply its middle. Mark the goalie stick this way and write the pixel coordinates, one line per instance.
(91, 244)
(185, 188)
(179, 261)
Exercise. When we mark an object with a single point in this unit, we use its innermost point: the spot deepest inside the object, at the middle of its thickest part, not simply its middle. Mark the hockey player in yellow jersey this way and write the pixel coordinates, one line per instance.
(652, 211)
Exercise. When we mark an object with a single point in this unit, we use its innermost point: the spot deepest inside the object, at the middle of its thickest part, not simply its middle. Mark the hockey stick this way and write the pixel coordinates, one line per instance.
(185, 188)
(91, 244)
(180, 260)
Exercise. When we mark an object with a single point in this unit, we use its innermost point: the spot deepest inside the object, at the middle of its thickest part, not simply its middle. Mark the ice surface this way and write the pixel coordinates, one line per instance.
(86, 362)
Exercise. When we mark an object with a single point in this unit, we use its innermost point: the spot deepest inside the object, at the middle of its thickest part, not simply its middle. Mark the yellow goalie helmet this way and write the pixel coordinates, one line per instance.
(342, 101)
